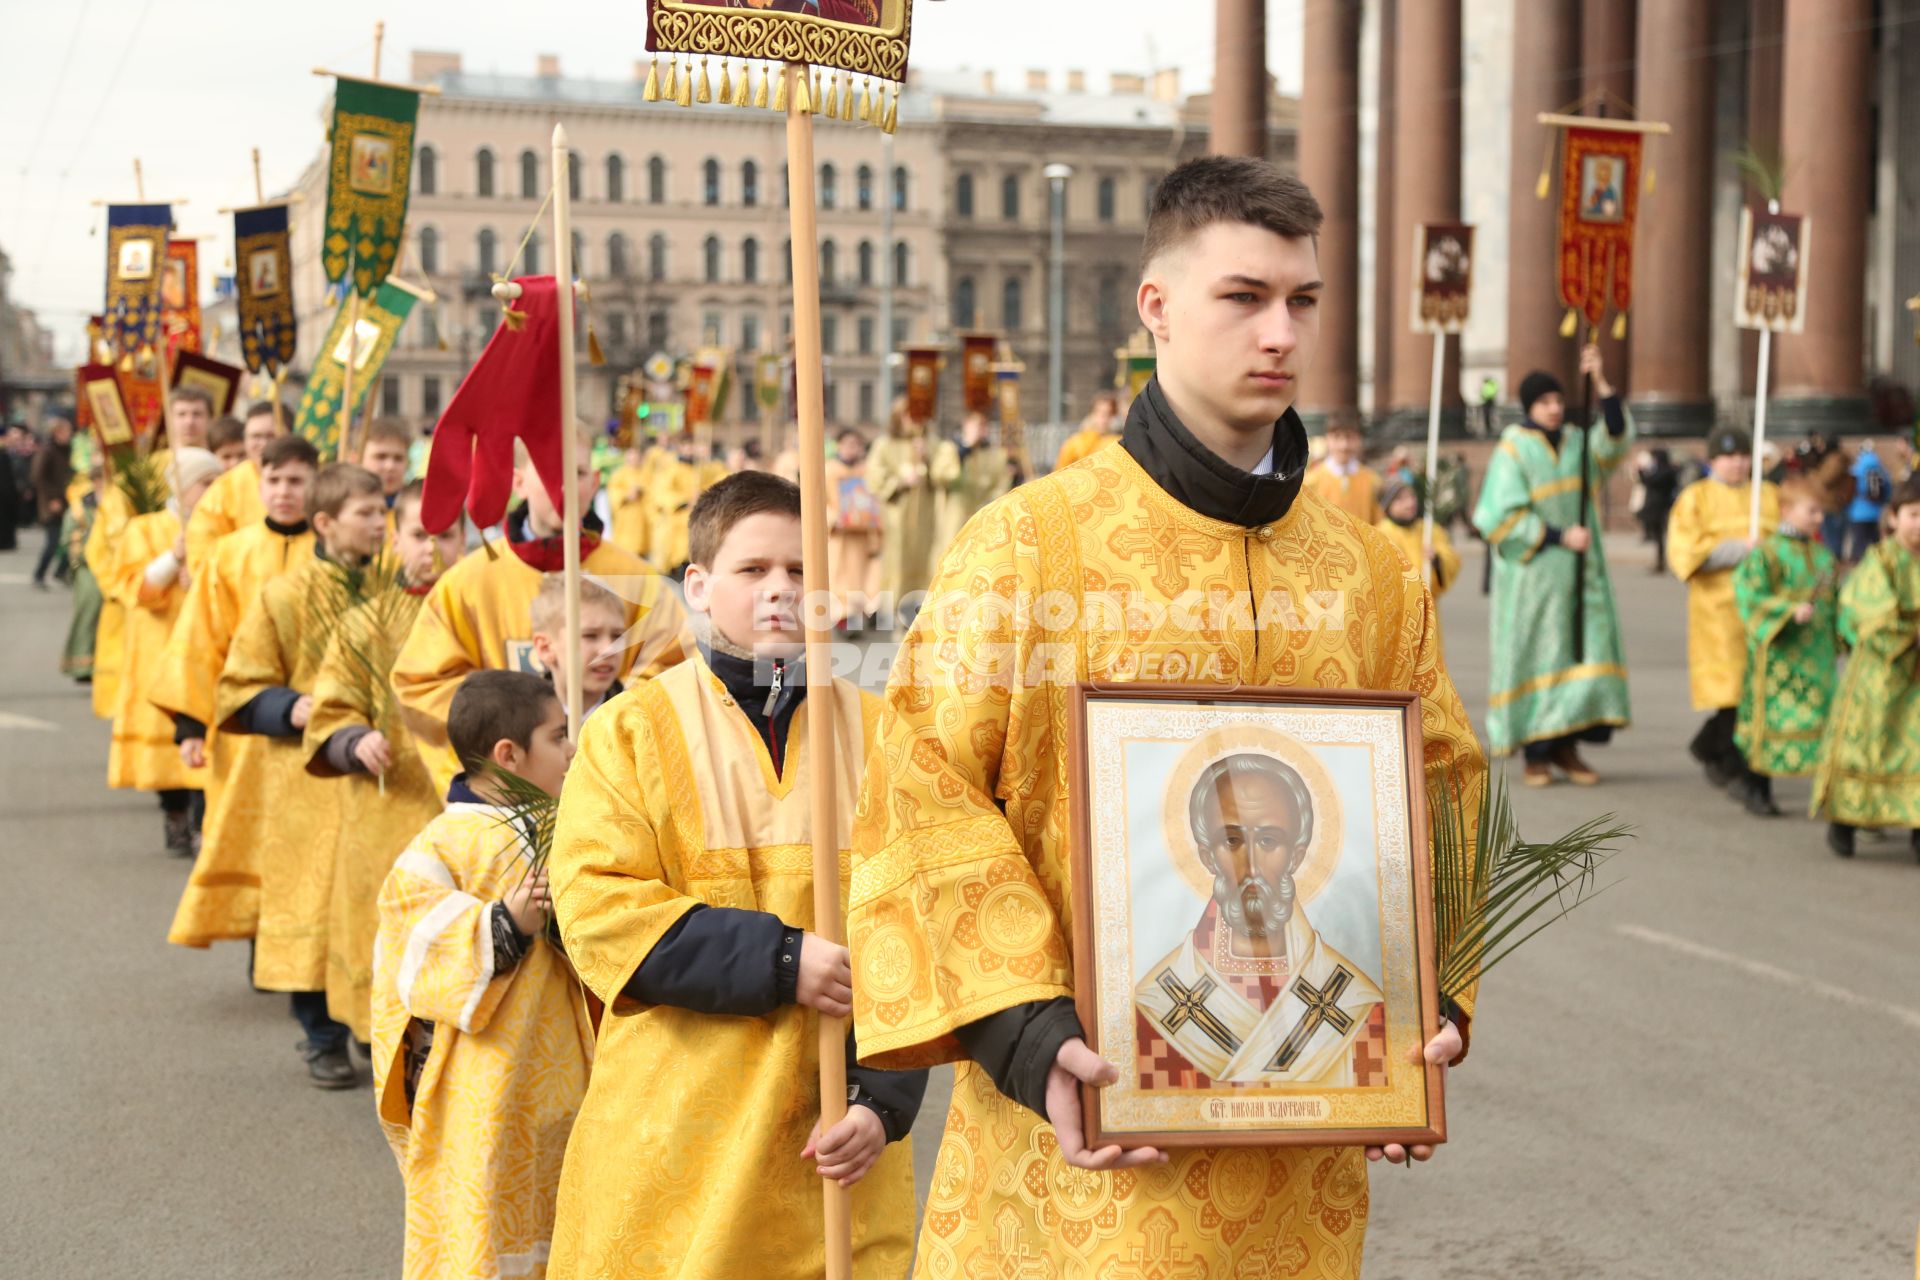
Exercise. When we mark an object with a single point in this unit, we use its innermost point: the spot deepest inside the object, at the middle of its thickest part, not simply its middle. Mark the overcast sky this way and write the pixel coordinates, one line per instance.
(189, 88)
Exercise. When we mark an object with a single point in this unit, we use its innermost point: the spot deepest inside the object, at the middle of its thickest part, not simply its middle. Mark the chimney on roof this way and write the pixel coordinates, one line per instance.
(548, 67)
(1166, 85)
(1125, 82)
(1076, 82)
(1036, 82)
(430, 64)
(986, 83)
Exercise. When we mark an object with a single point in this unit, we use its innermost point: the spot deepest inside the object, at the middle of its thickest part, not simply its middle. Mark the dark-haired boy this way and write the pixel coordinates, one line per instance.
(481, 1034)
(227, 439)
(961, 872)
(683, 883)
(271, 804)
(385, 452)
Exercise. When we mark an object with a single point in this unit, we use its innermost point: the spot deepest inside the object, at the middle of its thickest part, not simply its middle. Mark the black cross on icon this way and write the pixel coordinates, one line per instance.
(1322, 1010)
(1190, 1005)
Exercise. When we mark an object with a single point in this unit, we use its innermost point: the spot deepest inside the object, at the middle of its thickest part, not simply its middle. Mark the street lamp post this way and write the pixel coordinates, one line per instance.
(1057, 175)
(886, 273)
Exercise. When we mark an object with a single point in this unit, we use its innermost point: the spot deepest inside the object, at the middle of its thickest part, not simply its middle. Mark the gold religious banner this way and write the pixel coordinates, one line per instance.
(136, 254)
(322, 417)
(705, 387)
(1772, 289)
(369, 173)
(101, 406)
(218, 379)
(1600, 188)
(976, 372)
(857, 50)
(1443, 276)
(1013, 423)
(768, 385)
(263, 287)
(923, 382)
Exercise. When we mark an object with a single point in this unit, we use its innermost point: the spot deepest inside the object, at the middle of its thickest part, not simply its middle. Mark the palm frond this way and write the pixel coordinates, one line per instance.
(1494, 890)
(530, 809)
(337, 590)
(1766, 170)
(141, 479)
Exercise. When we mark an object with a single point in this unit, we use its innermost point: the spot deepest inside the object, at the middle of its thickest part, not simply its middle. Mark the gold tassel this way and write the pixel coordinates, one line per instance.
(652, 92)
(516, 320)
(706, 84)
(833, 99)
(1619, 325)
(726, 83)
(893, 109)
(740, 94)
(779, 90)
(487, 546)
(595, 356)
(1540, 188)
(760, 88)
(846, 98)
(802, 100)
(685, 96)
(817, 82)
(1649, 180)
(671, 88)
(866, 102)
(1571, 324)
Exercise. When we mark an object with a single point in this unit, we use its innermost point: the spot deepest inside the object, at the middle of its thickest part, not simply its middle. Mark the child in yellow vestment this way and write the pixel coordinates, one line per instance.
(603, 619)
(293, 822)
(355, 734)
(482, 1035)
(683, 882)
(234, 500)
(1404, 523)
(1343, 478)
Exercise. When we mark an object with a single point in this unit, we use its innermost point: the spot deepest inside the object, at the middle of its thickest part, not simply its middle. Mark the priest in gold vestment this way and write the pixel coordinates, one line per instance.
(960, 908)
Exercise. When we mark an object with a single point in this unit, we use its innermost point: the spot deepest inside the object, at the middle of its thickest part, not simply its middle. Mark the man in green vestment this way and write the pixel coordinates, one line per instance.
(1548, 693)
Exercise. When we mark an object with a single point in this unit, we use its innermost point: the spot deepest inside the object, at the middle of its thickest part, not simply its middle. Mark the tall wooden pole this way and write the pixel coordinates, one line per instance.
(569, 430)
(345, 416)
(818, 615)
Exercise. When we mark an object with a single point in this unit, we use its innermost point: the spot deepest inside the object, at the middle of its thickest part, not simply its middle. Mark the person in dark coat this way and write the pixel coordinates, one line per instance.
(52, 473)
(1660, 483)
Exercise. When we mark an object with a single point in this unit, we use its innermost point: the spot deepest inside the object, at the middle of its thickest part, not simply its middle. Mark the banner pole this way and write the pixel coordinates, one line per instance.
(569, 431)
(1433, 451)
(345, 416)
(1759, 436)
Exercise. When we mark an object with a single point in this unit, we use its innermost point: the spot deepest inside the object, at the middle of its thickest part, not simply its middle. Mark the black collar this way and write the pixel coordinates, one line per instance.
(1200, 479)
(750, 680)
(460, 791)
(287, 530)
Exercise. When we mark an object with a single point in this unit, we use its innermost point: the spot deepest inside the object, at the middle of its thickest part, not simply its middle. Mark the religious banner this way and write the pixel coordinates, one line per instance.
(1772, 291)
(1013, 423)
(1136, 364)
(370, 171)
(1600, 185)
(1443, 276)
(180, 297)
(321, 414)
(858, 49)
(215, 377)
(136, 249)
(263, 288)
(767, 382)
(923, 382)
(976, 372)
(101, 407)
(703, 381)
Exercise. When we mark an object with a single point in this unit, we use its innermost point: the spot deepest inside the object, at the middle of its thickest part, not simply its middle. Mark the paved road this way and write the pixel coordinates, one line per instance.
(1706, 1073)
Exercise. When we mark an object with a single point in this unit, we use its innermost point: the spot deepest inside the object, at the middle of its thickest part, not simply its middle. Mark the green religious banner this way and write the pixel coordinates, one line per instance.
(321, 413)
(369, 174)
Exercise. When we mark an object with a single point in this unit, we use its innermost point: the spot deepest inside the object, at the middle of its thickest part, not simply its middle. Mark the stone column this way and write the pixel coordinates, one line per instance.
(1329, 165)
(1426, 188)
(1607, 54)
(1672, 306)
(1238, 120)
(1546, 38)
(1826, 141)
(1387, 16)
(1764, 55)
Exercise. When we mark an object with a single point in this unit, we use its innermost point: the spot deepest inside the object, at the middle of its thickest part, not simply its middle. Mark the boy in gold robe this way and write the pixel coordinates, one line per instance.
(1198, 521)
(602, 620)
(482, 1034)
(1706, 541)
(1404, 524)
(1097, 431)
(683, 883)
(385, 452)
(265, 695)
(222, 897)
(626, 498)
(478, 615)
(1342, 478)
(355, 733)
(853, 534)
(149, 578)
(967, 474)
(897, 475)
(234, 500)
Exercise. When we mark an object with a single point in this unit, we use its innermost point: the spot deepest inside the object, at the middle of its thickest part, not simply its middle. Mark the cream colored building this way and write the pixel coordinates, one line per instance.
(681, 224)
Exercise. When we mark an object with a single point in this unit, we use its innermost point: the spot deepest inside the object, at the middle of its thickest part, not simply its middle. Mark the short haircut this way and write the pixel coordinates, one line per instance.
(1212, 189)
(850, 431)
(1906, 493)
(550, 606)
(225, 433)
(265, 408)
(491, 707)
(390, 429)
(749, 493)
(1203, 802)
(413, 491)
(288, 451)
(338, 484)
(1802, 488)
(187, 391)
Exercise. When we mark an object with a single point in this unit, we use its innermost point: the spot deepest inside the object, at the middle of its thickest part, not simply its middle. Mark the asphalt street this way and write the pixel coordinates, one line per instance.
(1699, 1074)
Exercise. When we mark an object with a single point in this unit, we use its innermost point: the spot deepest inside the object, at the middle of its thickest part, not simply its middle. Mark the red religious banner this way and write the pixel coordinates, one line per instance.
(1443, 276)
(99, 405)
(216, 378)
(1599, 200)
(923, 383)
(1772, 289)
(180, 297)
(700, 388)
(976, 372)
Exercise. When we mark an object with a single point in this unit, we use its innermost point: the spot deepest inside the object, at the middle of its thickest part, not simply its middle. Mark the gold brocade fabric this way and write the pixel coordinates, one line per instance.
(961, 486)
(231, 502)
(1082, 444)
(481, 1144)
(684, 1161)
(1358, 494)
(961, 897)
(384, 813)
(289, 818)
(142, 756)
(222, 898)
(1706, 514)
(626, 498)
(110, 632)
(1410, 541)
(897, 474)
(478, 616)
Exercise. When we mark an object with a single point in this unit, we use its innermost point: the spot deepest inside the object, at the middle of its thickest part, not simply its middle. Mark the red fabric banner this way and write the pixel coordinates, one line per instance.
(1599, 200)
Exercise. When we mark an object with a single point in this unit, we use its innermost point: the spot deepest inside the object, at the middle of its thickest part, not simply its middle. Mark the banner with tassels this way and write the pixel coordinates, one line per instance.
(369, 173)
(857, 48)
(263, 287)
(923, 382)
(1600, 190)
(976, 372)
(180, 298)
(321, 414)
(136, 252)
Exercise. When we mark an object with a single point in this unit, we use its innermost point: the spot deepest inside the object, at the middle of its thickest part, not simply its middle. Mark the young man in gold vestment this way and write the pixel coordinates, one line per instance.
(222, 897)
(290, 818)
(234, 500)
(1342, 478)
(478, 616)
(482, 1034)
(355, 734)
(959, 912)
(683, 883)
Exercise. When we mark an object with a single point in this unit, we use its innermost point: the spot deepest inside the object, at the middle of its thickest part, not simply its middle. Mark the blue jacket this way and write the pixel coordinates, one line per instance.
(1863, 510)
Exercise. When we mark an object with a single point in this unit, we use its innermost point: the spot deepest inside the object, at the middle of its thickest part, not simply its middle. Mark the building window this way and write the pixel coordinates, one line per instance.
(656, 258)
(429, 251)
(389, 397)
(786, 256)
(711, 255)
(899, 189)
(530, 260)
(749, 339)
(900, 262)
(866, 402)
(529, 176)
(430, 396)
(710, 328)
(750, 260)
(1149, 188)
(863, 187)
(864, 335)
(1106, 199)
(710, 188)
(828, 259)
(426, 168)
(1010, 307)
(833, 402)
(657, 331)
(617, 329)
(963, 303)
(830, 335)
(579, 255)
(899, 334)
(617, 256)
(656, 181)
(1010, 197)
(487, 250)
(963, 196)
(749, 183)
(429, 330)
(616, 179)
(866, 261)
(574, 162)
(829, 186)
(1107, 302)
(483, 172)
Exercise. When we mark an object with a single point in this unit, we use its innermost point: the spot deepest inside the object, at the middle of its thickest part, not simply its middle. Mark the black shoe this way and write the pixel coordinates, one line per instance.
(1754, 799)
(328, 1066)
(1840, 839)
(179, 834)
(363, 1049)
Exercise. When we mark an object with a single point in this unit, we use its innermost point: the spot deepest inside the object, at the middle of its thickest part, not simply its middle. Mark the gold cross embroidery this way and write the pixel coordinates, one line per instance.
(1173, 548)
(1321, 1011)
(1190, 1005)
